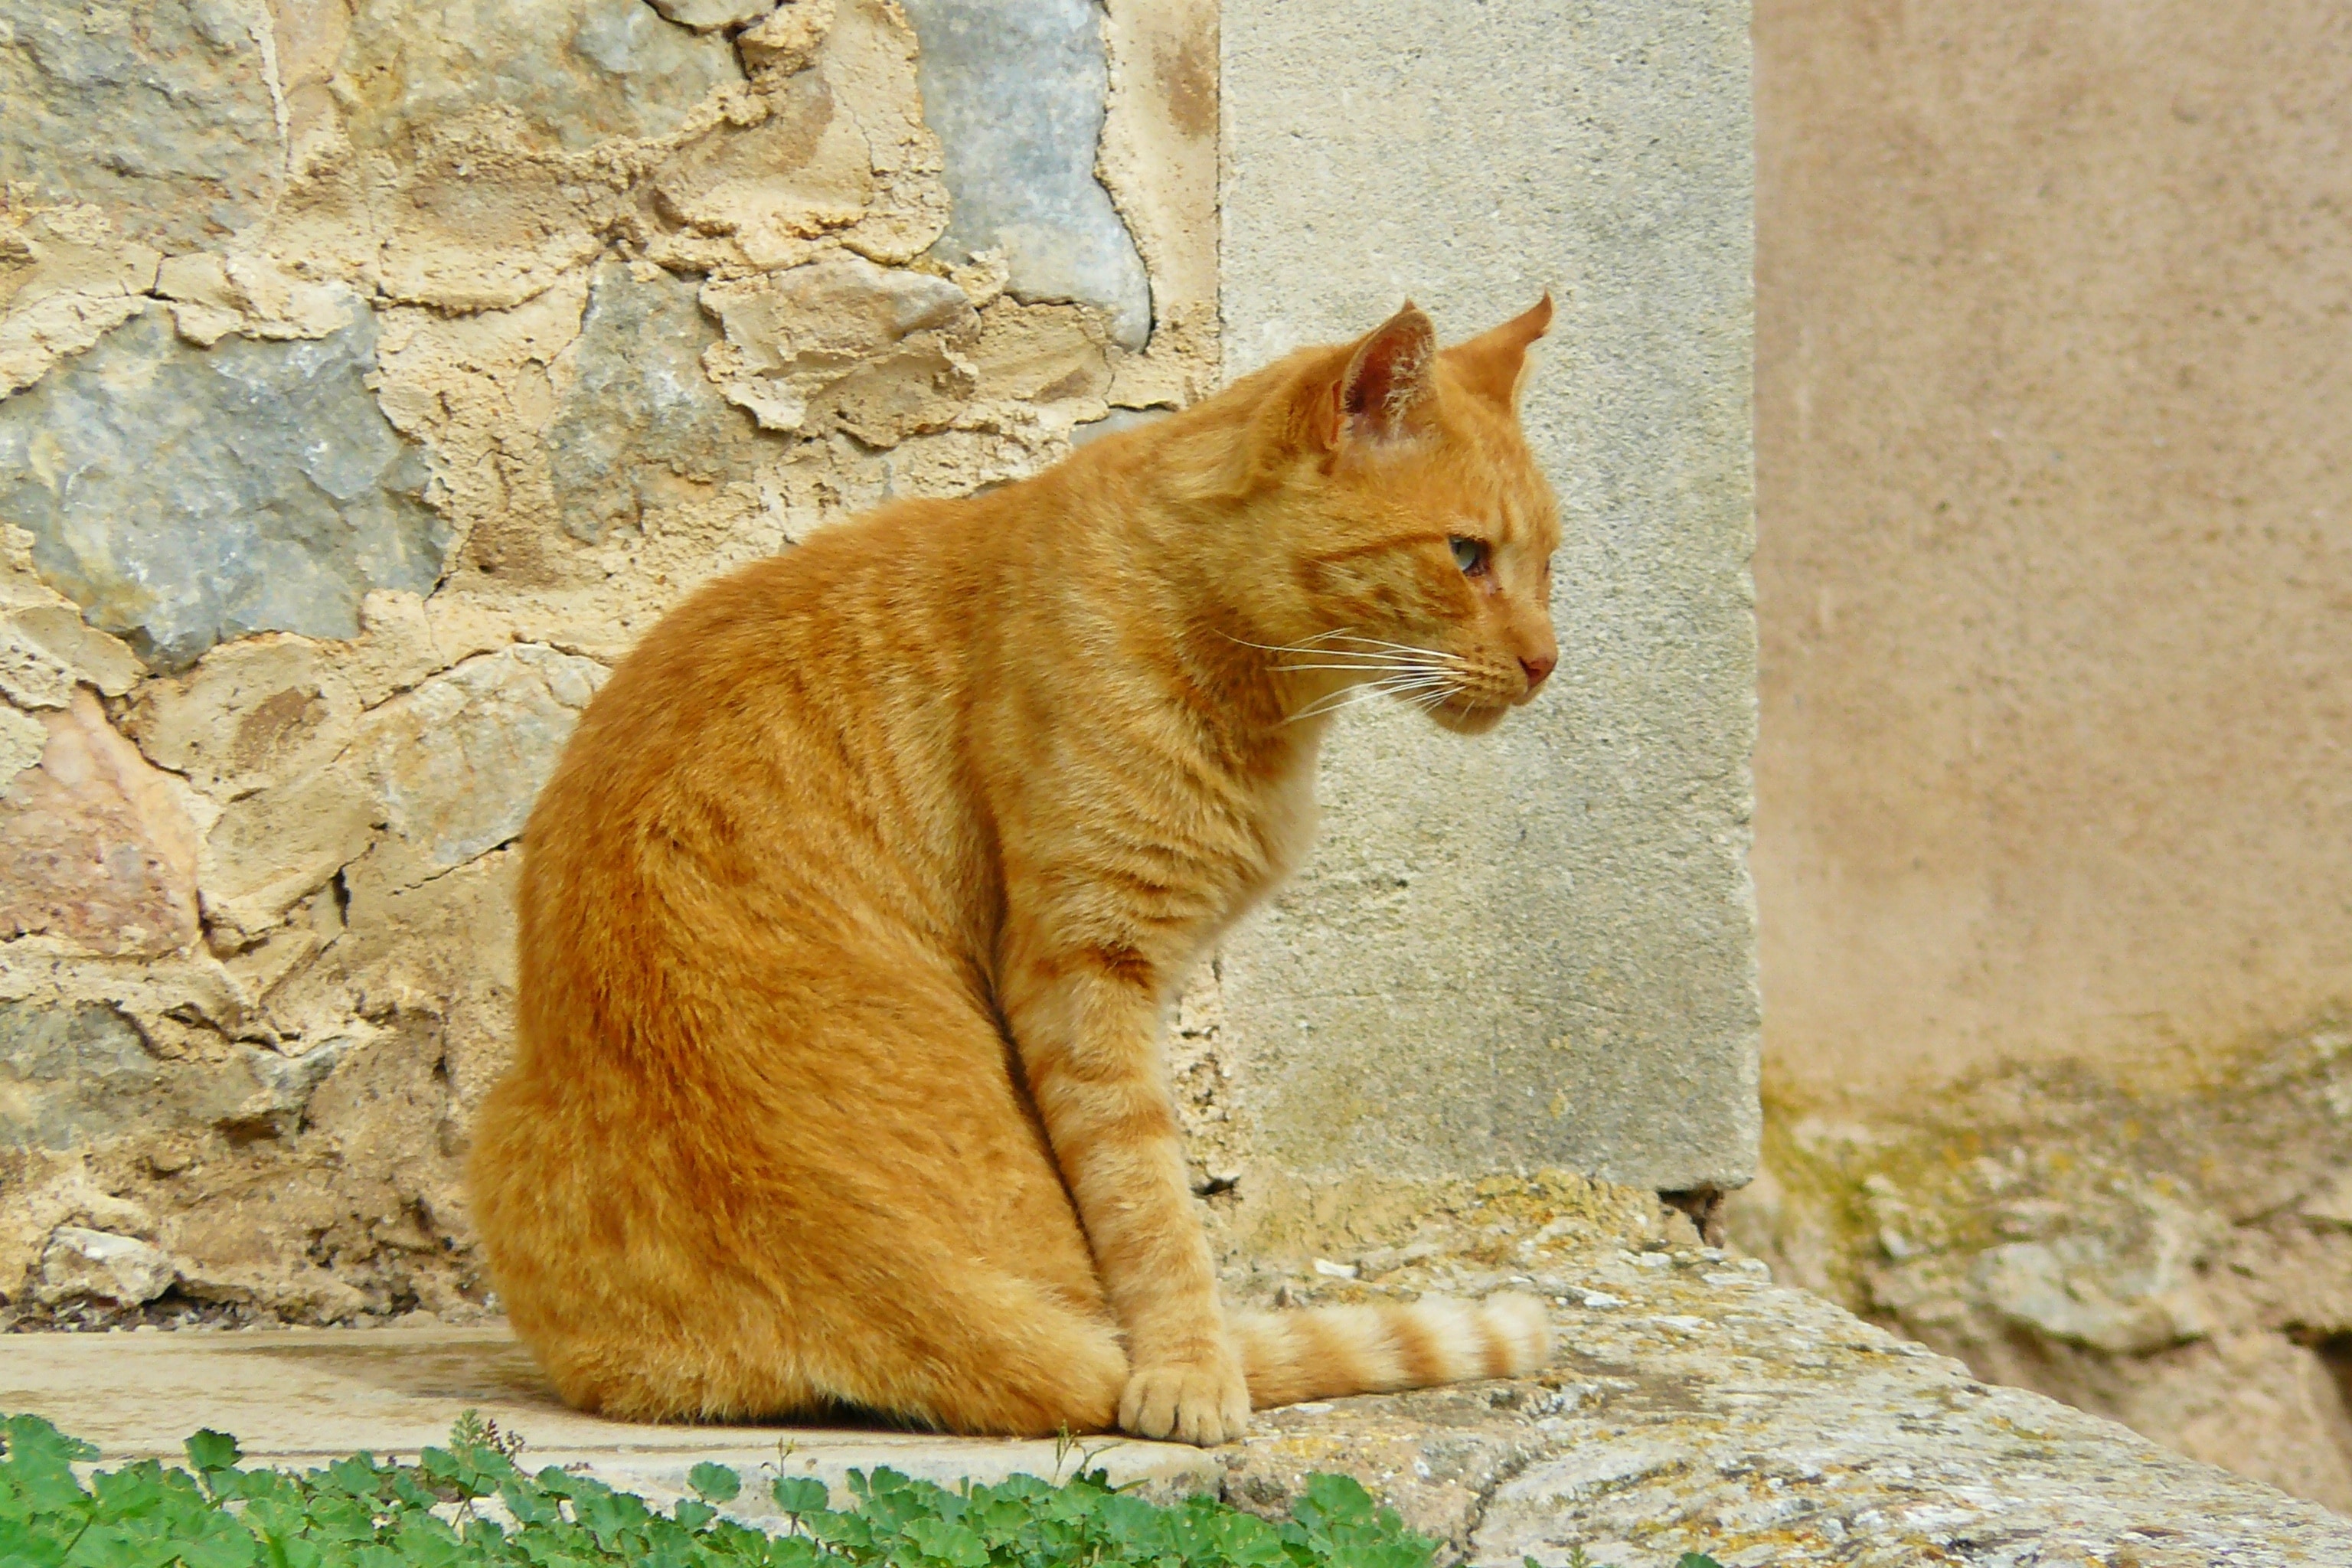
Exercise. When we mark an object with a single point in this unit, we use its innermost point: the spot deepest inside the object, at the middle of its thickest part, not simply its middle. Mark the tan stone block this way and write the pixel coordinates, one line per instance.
(95, 849)
(46, 650)
(425, 782)
(81, 1262)
(23, 739)
(840, 342)
(788, 40)
(66, 278)
(1041, 353)
(255, 713)
(802, 172)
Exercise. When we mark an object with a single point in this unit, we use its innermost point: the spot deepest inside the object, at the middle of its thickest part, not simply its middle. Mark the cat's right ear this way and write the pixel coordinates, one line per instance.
(1494, 365)
(1388, 393)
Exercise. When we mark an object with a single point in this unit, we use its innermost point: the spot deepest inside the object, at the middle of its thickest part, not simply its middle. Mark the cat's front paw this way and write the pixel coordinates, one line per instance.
(1200, 1399)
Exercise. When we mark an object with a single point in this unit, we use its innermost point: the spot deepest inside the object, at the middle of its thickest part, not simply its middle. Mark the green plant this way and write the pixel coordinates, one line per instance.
(1577, 1559)
(469, 1505)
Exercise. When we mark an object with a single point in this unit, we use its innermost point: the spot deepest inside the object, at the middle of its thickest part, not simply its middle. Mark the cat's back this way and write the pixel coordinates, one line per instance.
(781, 758)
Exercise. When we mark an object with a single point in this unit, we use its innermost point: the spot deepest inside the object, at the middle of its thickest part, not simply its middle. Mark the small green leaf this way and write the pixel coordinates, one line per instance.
(714, 1483)
(209, 1450)
(1697, 1559)
(801, 1494)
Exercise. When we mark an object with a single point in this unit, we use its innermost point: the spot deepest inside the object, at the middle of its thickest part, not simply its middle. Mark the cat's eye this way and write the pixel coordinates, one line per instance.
(1470, 554)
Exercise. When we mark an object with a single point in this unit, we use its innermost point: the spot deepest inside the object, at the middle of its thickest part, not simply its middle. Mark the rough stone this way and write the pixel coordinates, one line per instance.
(78, 1076)
(634, 407)
(2145, 1249)
(433, 778)
(514, 134)
(70, 1074)
(95, 851)
(1537, 947)
(803, 172)
(1019, 166)
(709, 15)
(286, 497)
(66, 278)
(251, 715)
(2124, 1291)
(81, 1262)
(841, 342)
(160, 113)
(844, 154)
(460, 759)
(788, 40)
(285, 1114)
(23, 739)
(1159, 162)
(574, 73)
(46, 650)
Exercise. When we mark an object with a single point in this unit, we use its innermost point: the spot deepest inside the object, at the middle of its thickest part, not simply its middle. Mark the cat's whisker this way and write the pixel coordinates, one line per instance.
(1396, 664)
(1424, 688)
(1372, 649)
(1400, 647)
(1349, 698)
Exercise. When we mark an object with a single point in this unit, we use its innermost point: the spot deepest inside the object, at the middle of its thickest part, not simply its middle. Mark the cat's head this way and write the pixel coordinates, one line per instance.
(1417, 530)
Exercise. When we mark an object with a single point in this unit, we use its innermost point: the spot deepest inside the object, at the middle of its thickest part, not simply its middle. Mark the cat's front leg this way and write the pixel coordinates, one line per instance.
(1087, 1025)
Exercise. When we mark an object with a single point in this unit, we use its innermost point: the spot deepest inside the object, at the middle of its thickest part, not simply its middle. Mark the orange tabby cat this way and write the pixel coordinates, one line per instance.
(849, 916)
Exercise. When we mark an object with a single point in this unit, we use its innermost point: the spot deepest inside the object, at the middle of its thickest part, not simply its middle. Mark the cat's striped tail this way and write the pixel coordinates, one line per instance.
(1325, 1352)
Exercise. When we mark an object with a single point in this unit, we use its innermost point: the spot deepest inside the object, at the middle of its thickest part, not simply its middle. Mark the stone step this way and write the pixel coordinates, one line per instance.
(294, 1398)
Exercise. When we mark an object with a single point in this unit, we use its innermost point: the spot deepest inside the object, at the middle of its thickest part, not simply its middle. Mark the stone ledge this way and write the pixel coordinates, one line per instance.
(1693, 1406)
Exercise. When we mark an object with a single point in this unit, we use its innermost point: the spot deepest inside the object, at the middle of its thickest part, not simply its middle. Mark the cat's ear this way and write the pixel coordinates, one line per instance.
(1494, 365)
(1389, 391)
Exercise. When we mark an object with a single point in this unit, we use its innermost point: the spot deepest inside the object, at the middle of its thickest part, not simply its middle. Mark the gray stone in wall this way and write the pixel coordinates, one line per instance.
(184, 496)
(639, 404)
(69, 1074)
(1536, 948)
(1015, 89)
(159, 111)
(74, 1074)
(577, 71)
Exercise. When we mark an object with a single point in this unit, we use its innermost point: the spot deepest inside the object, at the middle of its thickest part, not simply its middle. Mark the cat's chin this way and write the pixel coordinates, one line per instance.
(1467, 721)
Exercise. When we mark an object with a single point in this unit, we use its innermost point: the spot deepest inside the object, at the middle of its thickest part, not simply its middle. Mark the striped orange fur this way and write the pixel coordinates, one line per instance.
(850, 912)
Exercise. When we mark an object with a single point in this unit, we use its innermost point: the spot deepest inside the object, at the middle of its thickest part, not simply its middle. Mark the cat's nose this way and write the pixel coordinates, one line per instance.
(1537, 668)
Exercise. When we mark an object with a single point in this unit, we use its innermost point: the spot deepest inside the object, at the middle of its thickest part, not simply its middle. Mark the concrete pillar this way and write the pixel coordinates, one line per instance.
(1537, 948)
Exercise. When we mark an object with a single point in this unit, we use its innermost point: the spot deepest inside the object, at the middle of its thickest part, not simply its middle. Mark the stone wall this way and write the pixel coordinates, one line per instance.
(2053, 838)
(371, 374)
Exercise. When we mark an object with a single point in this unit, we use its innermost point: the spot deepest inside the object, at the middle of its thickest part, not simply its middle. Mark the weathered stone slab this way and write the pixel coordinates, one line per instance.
(1020, 165)
(635, 403)
(1536, 948)
(159, 112)
(94, 849)
(181, 496)
(299, 1397)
